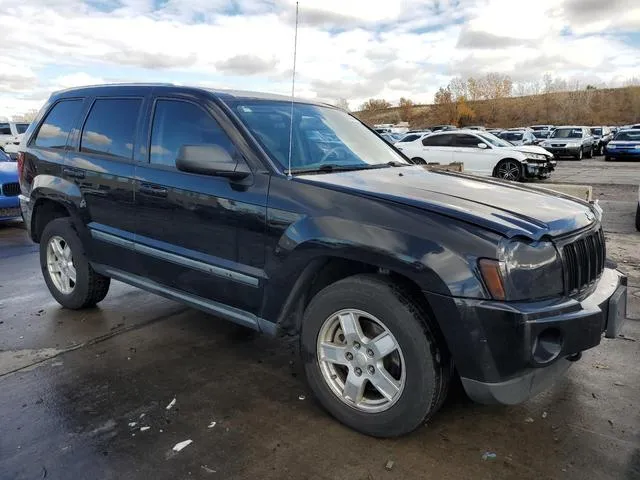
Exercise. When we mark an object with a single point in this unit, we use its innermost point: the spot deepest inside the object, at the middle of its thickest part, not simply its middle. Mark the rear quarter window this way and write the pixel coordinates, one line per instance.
(57, 125)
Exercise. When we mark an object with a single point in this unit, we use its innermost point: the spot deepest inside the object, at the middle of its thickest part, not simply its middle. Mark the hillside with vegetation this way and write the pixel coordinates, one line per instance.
(493, 101)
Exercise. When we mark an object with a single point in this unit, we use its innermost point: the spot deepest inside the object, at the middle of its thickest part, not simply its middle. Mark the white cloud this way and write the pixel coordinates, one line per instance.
(347, 48)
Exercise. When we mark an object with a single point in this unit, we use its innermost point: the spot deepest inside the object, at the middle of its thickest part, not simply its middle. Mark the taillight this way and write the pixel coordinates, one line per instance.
(20, 164)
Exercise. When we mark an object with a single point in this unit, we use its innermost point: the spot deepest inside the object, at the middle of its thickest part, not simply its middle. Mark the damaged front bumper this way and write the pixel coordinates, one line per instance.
(538, 168)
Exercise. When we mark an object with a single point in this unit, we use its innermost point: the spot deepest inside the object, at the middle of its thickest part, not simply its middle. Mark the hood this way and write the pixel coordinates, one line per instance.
(510, 210)
(8, 172)
(532, 149)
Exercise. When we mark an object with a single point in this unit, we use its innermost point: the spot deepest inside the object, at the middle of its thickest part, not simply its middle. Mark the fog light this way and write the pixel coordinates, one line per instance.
(547, 346)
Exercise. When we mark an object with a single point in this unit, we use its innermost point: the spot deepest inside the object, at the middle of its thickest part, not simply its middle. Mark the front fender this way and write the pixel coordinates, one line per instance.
(426, 260)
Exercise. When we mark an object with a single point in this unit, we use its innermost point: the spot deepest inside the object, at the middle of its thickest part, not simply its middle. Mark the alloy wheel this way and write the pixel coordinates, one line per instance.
(361, 361)
(509, 170)
(60, 265)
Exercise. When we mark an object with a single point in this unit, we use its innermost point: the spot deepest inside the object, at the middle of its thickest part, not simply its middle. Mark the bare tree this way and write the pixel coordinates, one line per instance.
(406, 109)
(374, 104)
(29, 116)
(343, 104)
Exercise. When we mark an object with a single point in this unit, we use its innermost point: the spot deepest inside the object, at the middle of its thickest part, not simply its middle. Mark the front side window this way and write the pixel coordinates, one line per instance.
(5, 129)
(177, 123)
(110, 128)
(317, 137)
(60, 120)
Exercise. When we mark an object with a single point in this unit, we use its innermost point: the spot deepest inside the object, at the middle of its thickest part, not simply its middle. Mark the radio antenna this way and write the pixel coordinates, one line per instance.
(293, 92)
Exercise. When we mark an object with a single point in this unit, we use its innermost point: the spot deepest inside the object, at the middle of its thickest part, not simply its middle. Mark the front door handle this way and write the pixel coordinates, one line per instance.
(153, 190)
(73, 173)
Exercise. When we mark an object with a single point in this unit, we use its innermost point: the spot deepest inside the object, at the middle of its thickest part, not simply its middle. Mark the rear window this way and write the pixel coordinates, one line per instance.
(54, 131)
(445, 140)
(111, 127)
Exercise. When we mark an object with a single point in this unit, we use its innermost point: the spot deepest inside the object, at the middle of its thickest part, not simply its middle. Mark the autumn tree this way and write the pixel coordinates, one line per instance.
(29, 116)
(406, 109)
(375, 105)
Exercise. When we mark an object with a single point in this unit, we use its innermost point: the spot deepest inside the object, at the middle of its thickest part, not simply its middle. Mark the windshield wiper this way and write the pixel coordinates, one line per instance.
(336, 167)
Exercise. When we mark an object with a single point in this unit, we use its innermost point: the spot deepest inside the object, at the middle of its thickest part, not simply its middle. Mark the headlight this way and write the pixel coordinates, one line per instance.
(546, 143)
(524, 271)
(536, 156)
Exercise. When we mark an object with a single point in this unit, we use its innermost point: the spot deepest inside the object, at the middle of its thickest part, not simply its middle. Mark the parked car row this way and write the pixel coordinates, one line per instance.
(10, 135)
(482, 153)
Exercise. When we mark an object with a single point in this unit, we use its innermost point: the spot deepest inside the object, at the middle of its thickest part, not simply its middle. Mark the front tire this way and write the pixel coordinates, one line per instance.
(65, 267)
(509, 169)
(418, 161)
(638, 217)
(372, 357)
(580, 154)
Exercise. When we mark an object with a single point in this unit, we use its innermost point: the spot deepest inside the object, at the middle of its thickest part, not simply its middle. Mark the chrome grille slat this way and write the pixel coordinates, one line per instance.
(584, 260)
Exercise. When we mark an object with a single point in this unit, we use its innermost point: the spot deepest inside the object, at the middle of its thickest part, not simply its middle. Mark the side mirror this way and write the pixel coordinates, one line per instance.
(482, 145)
(210, 160)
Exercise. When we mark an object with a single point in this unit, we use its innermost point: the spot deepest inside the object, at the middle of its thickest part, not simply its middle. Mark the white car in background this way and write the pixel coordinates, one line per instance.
(482, 153)
(10, 136)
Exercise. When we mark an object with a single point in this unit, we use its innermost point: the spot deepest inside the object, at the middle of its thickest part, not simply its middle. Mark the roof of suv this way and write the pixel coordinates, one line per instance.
(219, 93)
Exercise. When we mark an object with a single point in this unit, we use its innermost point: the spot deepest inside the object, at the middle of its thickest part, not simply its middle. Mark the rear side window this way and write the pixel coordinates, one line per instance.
(468, 141)
(177, 123)
(445, 140)
(58, 123)
(5, 129)
(111, 127)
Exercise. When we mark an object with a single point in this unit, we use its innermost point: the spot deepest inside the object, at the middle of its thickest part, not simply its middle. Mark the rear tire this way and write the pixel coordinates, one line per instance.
(590, 152)
(638, 217)
(70, 278)
(420, 364)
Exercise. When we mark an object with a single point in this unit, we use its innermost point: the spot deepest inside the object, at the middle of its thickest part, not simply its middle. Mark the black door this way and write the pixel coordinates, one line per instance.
(101, 163)
(199, 234)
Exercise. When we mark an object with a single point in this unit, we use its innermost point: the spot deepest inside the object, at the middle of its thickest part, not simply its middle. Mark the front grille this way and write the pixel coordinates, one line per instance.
(584, 260)
(11, 189)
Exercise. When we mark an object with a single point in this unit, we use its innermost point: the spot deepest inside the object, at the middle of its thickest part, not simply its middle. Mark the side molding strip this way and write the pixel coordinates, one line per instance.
(235, 315)
(177, 259)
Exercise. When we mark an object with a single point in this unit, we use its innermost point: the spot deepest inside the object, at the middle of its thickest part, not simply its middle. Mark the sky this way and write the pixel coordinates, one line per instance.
(351, 49)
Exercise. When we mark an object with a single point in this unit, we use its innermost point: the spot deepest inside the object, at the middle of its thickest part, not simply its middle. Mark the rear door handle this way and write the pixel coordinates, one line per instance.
(73, 172)
(153, 190)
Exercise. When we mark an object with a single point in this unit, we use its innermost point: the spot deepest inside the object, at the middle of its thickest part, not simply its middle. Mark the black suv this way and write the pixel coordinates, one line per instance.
(295, 218)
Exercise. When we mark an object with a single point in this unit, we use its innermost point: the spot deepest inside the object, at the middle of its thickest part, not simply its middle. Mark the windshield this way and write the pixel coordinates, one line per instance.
(22, 127)
(628, 136)
(511, 136)
(321, 136)
(567, 133)
(493, 140)
(541, 133)
(596, 131)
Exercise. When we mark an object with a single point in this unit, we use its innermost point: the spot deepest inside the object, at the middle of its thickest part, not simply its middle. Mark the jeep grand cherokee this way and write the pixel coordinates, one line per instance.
(296, 218)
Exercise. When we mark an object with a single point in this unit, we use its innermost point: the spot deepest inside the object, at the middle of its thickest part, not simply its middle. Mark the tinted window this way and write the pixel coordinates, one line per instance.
(178, 123)
(60, 120)
(469, 141)
(438, 141)
(110, 127)
(4, 129)
(22, 127)
(410, 138)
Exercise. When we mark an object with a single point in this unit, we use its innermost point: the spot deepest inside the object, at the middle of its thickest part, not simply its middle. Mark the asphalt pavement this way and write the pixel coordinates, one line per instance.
(90, 394)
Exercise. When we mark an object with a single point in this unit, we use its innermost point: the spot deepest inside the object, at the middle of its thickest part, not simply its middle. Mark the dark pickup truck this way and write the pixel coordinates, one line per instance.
(295, 218)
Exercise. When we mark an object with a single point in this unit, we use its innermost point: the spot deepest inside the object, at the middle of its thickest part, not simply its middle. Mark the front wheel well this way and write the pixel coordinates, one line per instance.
(334, 269)
(44, 211)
